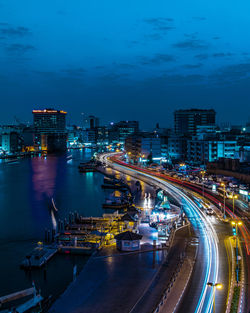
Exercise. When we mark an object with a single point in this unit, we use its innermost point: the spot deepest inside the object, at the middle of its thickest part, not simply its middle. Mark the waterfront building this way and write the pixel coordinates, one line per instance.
(11, 142)
(186, 121)
(27, 135)
(75, 136)
(128, 241)
(10, 138)
(50, 129)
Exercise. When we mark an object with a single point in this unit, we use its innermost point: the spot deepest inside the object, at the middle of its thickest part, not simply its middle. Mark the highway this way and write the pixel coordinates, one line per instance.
(211, 265)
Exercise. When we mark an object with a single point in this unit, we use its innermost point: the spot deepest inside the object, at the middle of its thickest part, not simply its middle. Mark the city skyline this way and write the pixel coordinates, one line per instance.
(139, 61)
(125, 156)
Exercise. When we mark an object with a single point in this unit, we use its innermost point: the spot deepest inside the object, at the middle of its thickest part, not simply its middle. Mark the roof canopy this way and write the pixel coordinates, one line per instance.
(127, 217)
(128, 235)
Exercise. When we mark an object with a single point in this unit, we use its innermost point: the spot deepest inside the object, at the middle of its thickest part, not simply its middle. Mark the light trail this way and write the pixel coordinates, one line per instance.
(243, 229)
(205, 302)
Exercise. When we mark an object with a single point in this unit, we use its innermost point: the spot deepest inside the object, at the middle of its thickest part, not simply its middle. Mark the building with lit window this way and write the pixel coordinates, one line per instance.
(118, 132)
(186, 121)
(50, 129)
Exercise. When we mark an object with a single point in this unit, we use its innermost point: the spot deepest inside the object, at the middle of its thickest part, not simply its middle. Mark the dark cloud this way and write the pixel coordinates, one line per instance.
(201, 56)
(126, 66)
(156, 36)
(192, 66)
(17, 48)
(230, 74)
(157, 59)
(192, 44)
(184, 80)
(236, 70)
(74, 71)
(222, 54)
(160, 23)
(176, 80)
(46, 74)
(158, 20)
(113, 77)
(15, 31)
(133, 43)
(192, 35)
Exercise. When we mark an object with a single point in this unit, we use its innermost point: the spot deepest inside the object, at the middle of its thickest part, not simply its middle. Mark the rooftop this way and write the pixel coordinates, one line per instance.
(128, 235)
(49, 111)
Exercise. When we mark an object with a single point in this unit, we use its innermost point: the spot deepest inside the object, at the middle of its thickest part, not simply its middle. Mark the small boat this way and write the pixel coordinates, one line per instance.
(11, 161)
(53, 203)
(38, 257)
(87, 167)
(69, 158)
(116, 204)
(110, 181)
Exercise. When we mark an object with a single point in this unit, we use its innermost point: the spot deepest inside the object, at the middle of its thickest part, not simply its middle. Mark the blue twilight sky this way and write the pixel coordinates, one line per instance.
(120, 59)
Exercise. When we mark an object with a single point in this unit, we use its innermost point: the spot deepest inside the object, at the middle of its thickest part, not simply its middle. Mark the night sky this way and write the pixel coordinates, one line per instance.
(119, 59)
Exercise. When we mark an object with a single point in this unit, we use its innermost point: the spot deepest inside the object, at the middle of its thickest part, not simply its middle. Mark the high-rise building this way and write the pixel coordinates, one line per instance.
(90, 122)
(186, 121)
(50, 129)
(121, 130)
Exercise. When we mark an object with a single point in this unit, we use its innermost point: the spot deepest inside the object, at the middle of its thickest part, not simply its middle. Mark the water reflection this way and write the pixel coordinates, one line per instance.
(43, 177)
(26, 210)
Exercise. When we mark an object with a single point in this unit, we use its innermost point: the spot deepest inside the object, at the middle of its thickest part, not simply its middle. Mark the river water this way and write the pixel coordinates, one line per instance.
(26, 190)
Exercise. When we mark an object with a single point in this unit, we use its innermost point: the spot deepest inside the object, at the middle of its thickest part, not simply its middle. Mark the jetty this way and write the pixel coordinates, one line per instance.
(7, 301)
(39, 256)
(77, 235)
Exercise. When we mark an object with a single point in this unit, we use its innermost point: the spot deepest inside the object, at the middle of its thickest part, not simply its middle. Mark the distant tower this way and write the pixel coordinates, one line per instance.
(91, 122)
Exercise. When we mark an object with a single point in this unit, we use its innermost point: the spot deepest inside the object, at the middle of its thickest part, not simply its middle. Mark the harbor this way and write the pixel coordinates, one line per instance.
(26, 215)
(78, 235)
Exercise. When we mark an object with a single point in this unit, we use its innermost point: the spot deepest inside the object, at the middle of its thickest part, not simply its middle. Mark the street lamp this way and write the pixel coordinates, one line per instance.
(233, 196)
(236, 224)
(224, 189)
(203, 174)
(214, 286)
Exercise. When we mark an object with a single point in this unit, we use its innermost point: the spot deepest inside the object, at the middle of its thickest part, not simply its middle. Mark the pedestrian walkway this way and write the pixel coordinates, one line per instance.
(176, 292)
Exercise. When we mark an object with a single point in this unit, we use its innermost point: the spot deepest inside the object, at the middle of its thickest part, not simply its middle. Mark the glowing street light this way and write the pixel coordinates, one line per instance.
(233, 196)
(236, 224)
(203, 174)
(214, 286)
(224, 189)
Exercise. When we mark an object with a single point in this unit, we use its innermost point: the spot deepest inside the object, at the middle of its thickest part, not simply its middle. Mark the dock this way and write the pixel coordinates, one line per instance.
(77, 235)
(33, 302)
(39, 256)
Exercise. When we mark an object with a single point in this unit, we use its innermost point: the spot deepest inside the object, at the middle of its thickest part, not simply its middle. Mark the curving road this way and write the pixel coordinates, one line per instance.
(199, 297)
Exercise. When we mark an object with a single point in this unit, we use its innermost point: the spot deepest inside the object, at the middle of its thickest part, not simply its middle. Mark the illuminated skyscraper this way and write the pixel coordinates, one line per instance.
(50, 129)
